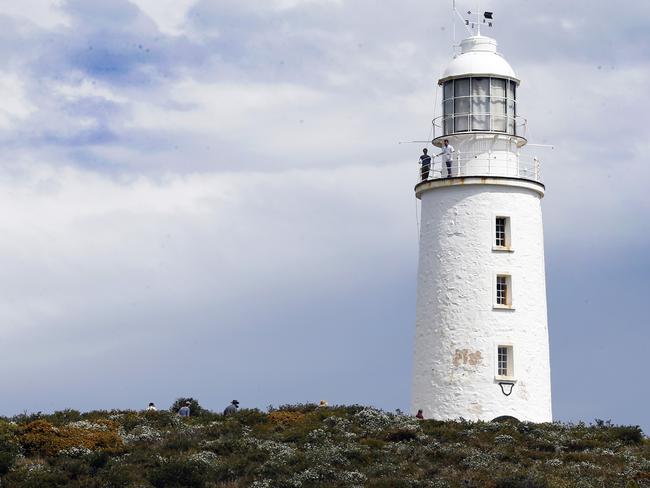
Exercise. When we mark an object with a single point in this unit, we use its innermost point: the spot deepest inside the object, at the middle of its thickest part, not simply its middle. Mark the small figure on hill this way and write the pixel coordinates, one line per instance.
(323, 404)
(152, 407)
(419, 415)
(184, 411)
(232, 408)
(425, 161)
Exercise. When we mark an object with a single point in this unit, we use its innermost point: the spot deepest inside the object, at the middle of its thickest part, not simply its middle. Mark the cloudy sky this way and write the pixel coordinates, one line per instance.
(207, 197)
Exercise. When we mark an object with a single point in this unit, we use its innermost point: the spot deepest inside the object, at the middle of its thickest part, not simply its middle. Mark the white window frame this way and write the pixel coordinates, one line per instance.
(508, 247)
(510, 376)
(509, 302)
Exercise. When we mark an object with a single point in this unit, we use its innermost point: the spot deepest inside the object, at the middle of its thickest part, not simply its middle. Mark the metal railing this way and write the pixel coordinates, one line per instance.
(501, 163)
(445, 125)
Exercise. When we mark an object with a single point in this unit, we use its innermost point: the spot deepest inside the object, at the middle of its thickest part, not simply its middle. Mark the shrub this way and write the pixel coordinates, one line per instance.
(40, 437)
(9, 448)
(196, 410)
(286, 417)
(252, 417)
(401, 435)
(176, 474)
(520, 482)
(628, 434)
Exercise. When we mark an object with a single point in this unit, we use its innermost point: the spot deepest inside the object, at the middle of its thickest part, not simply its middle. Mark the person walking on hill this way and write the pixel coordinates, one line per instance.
(152, 407)
(232, 408)
(184, 411)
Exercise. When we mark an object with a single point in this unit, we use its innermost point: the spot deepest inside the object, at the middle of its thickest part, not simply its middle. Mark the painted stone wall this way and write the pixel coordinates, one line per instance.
(457, 328)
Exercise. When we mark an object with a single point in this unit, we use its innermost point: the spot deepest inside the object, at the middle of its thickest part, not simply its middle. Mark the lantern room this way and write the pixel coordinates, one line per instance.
(479, 94)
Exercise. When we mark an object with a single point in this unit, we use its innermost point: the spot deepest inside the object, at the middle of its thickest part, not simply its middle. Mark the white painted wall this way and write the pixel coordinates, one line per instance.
(457, 329)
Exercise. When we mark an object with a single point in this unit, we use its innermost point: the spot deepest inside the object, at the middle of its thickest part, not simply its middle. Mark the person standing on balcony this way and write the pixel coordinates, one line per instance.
(425, 161)
(446, 153)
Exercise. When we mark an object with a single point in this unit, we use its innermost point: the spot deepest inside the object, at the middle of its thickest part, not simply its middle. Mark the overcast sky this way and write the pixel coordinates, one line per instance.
(207, 198)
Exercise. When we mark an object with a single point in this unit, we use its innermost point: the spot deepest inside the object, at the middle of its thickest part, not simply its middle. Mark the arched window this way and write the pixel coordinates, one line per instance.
(479, 104)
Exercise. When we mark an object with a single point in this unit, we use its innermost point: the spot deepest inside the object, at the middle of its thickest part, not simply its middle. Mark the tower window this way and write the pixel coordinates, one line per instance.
(503, 291)
(501, 233)
(505, 363)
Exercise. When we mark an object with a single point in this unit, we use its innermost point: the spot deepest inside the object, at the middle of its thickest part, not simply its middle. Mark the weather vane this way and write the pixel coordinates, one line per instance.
(488, 19)
(472, 21)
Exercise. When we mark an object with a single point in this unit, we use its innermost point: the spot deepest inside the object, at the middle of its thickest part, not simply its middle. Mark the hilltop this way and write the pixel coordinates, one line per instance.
(307, 446)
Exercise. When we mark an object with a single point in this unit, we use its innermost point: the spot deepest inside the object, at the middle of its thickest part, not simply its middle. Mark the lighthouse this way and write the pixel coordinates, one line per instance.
(481, 342)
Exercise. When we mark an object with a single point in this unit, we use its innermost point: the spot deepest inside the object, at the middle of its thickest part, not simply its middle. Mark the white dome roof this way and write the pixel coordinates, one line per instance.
(479, 57)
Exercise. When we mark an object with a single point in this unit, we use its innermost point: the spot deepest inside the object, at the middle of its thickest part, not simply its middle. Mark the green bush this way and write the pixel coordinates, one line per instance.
(177, 474)
(627, 434)
(520, 482)
(196, 410)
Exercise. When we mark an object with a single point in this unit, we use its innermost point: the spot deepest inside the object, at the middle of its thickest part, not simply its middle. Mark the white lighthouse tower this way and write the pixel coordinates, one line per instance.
(481, 345)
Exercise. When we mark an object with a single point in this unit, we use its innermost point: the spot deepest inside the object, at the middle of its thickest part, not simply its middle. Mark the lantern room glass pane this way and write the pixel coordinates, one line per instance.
(448, 90)
(498, 110)
(461, 123)
(498, 88)
(461, 87)
(480, 113)
(512, 114)
(448, 116)
(461, 105)
(512, 90)
(481, 87)
(461, 109)
(448, 107)
(448, 125)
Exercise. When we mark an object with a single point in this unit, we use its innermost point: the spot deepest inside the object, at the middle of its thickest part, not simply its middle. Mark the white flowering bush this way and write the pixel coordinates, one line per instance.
(75, 452)
(141, 433)
(206, 458)
(84, 424)
(504, 440)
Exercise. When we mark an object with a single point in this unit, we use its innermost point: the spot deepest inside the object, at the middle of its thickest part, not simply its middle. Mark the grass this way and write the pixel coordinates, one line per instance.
(308, 446)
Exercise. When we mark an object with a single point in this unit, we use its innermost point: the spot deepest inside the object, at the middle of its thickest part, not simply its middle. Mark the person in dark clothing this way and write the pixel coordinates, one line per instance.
(425, 161)
(419, 415)
(232, 408)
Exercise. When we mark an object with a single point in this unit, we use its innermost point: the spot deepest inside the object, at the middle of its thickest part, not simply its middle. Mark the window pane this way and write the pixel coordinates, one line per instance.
(498, 114)
(448, 107)
(512, 113)
(448, 125)
(481, 86)
(480, 122)
(448, 120)
(512, 90)
(461, 87)
(498, 88)
(500, 231)
(448, 90)
(481, 111)
(461, 105)
(461, 123)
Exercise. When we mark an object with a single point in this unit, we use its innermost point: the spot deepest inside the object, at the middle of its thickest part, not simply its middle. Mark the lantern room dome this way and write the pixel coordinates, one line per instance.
(479, 57)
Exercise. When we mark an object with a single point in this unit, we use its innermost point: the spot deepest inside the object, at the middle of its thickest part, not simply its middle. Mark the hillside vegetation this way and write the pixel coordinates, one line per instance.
(307, 446)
